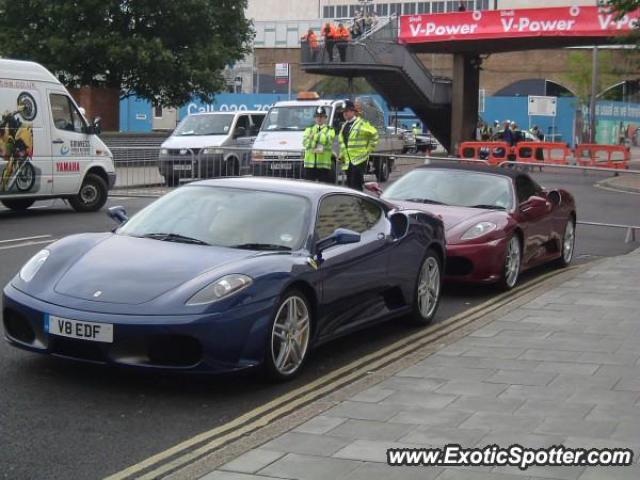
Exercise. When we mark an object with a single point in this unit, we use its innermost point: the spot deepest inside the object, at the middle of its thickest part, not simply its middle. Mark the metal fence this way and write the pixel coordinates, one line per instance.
(153, 171)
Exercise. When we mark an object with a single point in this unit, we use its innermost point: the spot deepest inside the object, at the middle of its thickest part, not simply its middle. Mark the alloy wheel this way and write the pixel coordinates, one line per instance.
(290, 335)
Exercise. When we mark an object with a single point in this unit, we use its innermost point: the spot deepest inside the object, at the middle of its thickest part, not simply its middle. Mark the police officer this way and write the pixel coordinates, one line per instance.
(318, 143)
(358, 138)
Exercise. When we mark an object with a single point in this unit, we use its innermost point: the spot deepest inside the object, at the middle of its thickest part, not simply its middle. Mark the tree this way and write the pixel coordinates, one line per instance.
(165, 51)
(340, 86)
(624, 6)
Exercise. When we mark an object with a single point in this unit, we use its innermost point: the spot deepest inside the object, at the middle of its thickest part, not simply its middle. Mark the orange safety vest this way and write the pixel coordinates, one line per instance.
(343, 34)
(312, 39)
(331, 34)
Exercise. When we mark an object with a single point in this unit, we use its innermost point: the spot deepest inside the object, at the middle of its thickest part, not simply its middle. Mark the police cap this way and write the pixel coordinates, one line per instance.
(320, 112)
(349, 105)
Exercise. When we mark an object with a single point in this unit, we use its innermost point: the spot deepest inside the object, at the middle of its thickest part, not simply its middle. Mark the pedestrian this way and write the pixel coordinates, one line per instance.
(329, 36)
(311, 40)
(461, 7)
(507, 135)
(485, 132)
(318, 148)
(518, 135)
(358, 139)
(416, 130)
(342, 37)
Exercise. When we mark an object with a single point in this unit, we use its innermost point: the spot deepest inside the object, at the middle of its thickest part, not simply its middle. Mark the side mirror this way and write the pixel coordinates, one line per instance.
(534, 206)
(94, 128)
(240, 132)
(374, 188)
(341, 236)
(118, 213)
(554, 197)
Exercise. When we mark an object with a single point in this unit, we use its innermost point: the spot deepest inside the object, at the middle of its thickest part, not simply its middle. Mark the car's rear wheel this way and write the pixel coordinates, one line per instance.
(18, 204)
(289, 337)
(428, 288)
(512, 264)
(568, 243)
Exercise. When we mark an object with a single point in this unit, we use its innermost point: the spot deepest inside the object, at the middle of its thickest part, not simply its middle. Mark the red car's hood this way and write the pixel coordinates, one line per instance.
(451, 216)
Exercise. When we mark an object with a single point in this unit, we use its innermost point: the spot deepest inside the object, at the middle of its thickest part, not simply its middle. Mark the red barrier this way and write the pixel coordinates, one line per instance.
(606, 156)
(492, 152)
(543, 152)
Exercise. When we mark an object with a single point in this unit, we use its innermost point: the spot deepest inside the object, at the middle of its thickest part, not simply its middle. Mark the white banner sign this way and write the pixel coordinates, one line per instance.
(542, 106)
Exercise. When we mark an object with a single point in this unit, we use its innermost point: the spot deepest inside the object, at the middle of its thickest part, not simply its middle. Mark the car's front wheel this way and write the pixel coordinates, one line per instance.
(568, 243)
(289, 337)
(512, 264)
(427, 290)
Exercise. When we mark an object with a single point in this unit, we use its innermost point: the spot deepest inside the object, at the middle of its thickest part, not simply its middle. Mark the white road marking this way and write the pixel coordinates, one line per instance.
(22, 239)
(27, 244)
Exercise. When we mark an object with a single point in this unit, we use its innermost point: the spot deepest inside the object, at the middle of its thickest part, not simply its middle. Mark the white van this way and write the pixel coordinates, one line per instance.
(212, 144)
(47, 148)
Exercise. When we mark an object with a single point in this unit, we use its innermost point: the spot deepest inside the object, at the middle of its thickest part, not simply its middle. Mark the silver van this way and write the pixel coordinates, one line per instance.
(206, 145)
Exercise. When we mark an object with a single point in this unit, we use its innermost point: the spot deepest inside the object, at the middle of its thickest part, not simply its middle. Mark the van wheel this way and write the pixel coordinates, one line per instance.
(18, 204)
(382, 172)
(92, 196)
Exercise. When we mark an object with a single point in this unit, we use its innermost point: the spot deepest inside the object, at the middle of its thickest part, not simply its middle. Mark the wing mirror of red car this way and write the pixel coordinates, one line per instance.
(554, 197)
(535, 206)
(374, 188)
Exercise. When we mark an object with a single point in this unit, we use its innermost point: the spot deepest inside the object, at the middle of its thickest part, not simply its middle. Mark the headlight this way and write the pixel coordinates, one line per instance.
(257, 155)
(221, 288)
(479, 230)
(164, 151)
(29, 270)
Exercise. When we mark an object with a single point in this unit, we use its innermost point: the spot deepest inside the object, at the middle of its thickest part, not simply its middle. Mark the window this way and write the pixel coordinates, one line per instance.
(328, 11)
(243, 122)
(395, 9)
(157, 111)
(353, 9)
(424, 7)
(437, 7)
(342, 11)
(482, 5)
(382, 9)
(526, 188)
(65, 114)
(452, 5)
(409, 8)
(346, 211)
(257, 121)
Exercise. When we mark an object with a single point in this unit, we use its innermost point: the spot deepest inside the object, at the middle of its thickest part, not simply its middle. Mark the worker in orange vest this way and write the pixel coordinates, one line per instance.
(329, 35)
(342, 39)
(311, 39)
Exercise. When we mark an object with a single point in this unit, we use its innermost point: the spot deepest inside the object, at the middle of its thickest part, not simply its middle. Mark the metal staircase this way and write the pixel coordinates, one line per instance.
(394, 71)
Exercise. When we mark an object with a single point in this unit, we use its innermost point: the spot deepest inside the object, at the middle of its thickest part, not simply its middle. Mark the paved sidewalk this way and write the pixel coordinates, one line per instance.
(561, 369)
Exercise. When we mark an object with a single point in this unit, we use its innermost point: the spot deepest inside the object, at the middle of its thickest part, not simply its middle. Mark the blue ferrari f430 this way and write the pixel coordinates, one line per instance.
(228, 274)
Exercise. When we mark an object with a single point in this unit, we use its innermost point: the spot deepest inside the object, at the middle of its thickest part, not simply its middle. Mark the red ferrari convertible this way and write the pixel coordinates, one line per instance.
(499, 222)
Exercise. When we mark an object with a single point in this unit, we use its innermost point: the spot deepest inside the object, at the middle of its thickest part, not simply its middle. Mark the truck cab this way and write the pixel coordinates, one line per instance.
(278, 149)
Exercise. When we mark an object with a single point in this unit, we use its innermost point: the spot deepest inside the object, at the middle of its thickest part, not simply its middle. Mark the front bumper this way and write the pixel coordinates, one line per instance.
(207, 343)
(476, 263)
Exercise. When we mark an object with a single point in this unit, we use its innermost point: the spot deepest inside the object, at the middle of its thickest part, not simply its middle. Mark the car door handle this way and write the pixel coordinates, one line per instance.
(58, 140)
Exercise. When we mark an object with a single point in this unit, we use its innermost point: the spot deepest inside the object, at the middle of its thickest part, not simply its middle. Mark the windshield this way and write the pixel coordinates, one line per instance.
(291, 118)
(453, 187)
(205, 125)
(226, 217)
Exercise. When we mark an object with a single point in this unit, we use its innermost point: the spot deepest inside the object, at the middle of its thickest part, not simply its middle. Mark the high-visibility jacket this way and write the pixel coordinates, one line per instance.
(342, 34)
(312, 39)
(363, 140)
(331, 34)
(318, 145)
